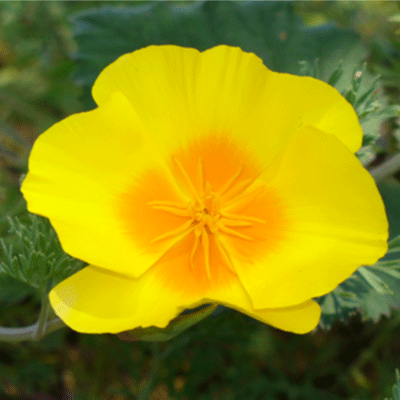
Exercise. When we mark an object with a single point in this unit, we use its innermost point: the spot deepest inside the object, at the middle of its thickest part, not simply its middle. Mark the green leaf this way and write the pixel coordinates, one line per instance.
(336, 74)
(343, 302)
(32, 254)
(394, 245)
(376, 283)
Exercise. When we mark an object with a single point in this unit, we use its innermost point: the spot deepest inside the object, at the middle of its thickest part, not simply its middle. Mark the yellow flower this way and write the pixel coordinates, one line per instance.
(205, 178)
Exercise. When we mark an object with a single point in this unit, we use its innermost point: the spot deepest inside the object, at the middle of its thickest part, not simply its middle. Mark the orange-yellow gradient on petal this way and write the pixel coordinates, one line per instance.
(217, 193)
(205, 178)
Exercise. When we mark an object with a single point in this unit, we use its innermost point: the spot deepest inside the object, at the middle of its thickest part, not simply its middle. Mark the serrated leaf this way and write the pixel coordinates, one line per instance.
(376, 283)
(372, 291)
(376, 305)
(33, 260)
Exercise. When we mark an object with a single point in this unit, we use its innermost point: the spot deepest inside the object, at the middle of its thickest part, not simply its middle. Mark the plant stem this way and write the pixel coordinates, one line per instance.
(41, 322)
(27, 333)
(34, 332)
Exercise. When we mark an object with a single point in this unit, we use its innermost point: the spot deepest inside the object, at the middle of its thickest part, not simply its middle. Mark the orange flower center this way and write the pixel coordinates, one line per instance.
(206, 216)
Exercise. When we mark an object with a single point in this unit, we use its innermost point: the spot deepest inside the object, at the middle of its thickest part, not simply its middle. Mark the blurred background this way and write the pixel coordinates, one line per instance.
(50, 55)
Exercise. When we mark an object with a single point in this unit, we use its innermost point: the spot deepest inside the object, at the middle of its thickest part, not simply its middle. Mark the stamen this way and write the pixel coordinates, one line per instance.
(176, 211)
(232, 232)
(245, 198)
(239, 188)
(225, 254)
(197, 234)
(232, 222)
(187, 179)
(186, 228)
(167, 203)
(215, 205)
(206, 248)
(206, 217)
(239, 217)
(229, 182)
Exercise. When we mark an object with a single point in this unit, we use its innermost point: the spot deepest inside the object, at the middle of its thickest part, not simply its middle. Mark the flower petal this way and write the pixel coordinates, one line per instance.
(159, 83)
(334, 222)
(173, 274)
(114, 303)
(78, 170)
(300, 318)
(180, 93)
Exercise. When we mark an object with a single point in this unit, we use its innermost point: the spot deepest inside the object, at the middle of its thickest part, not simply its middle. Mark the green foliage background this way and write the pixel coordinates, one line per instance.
(50, 55)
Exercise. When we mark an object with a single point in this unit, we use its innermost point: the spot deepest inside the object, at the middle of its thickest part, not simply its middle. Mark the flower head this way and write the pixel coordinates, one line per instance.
(205, 178)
